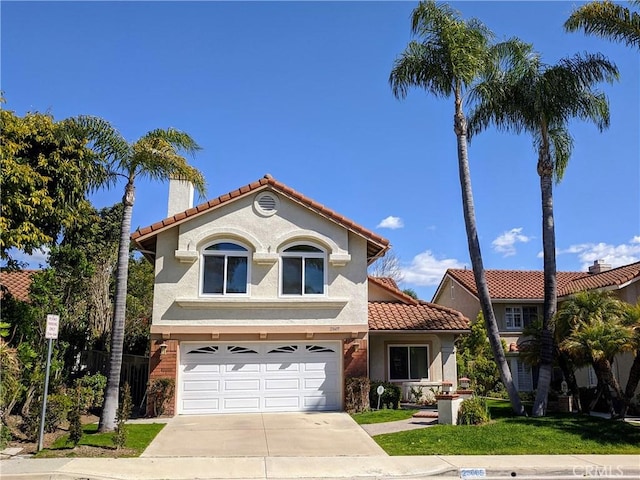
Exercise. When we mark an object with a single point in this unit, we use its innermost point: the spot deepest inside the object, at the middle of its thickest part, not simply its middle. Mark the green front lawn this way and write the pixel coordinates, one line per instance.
(381, 416)
(139, 436)
(508, 435)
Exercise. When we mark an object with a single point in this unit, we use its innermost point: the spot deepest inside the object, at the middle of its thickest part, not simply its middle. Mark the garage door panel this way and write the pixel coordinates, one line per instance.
(287, 403)
(201, 405)
(312, 403)
(241, 404)
(201, 386)
(280, 367)
(203, 368)
(242, 368)
(259, 377)
(249, 385)
(281, 384)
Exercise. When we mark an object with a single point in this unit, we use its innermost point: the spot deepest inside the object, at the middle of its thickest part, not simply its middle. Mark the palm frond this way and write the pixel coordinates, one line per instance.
(607, 20)
(156, 157)
(106, 143)
(561, 145)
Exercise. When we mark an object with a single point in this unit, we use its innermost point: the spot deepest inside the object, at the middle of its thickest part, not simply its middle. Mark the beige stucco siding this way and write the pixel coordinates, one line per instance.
(439, 345)
(453, 295)
(176, 297)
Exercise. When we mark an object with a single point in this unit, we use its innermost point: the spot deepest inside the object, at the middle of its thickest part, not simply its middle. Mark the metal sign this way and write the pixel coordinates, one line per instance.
(380, 390)
(53, 323)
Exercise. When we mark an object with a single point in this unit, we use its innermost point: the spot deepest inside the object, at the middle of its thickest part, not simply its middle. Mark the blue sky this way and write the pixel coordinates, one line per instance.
(300, 90)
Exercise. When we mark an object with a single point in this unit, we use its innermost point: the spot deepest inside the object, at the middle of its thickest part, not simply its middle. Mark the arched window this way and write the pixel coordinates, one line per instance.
(302, 270)
(224, 269)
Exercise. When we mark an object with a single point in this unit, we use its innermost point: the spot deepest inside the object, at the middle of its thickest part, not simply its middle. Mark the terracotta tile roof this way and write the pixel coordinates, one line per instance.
(375, 243)
(513, 284)
(18, 283)
(615, 277)
(421, 316)
(529, 285)
(387, 281)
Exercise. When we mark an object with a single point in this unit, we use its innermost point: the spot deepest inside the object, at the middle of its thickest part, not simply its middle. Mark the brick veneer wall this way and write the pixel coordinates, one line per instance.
(355, 358)
(164, 366)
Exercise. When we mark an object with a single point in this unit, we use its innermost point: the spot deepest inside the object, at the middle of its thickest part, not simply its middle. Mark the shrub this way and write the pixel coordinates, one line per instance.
(473, 411)
(357, 394)
(58, 406)
(75, 425)
(91, 391)
(122, 415)
(158, 392)
(389, 399)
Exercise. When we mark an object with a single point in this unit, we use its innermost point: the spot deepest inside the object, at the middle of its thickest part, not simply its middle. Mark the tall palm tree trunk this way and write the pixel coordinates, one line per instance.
(460, 127)
(632, 383)
(545, 170)
(111, 393)
(609, 382)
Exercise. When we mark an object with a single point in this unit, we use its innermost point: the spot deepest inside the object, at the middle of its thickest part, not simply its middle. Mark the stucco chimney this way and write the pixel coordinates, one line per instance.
(599, 266)
(180, 196)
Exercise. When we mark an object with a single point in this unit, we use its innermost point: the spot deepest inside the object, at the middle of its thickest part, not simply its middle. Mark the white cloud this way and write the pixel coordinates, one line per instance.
(427, 270)
(615, 255)
(39, 258)
(506, 243)
(391, 222)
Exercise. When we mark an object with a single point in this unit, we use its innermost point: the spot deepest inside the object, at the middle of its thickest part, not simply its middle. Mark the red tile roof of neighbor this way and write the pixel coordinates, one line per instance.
(407, 313)
(609, 278)
(17, 282)
(375, 243)
(529, 285)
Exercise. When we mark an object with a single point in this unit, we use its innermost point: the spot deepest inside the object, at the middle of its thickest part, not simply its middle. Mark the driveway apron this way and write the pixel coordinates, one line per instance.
(263, 435)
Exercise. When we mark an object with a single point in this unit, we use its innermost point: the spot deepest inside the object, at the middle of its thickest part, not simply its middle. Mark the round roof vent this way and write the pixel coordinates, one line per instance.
(266, 203)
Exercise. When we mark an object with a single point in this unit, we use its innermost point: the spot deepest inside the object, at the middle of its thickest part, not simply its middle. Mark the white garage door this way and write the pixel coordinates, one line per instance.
(259, 377)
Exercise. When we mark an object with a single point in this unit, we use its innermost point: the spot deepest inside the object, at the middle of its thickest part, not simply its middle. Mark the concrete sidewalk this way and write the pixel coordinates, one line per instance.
(376, 467)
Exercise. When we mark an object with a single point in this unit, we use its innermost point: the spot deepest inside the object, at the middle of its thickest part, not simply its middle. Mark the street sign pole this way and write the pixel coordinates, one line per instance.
(51, 333)
(44, 400)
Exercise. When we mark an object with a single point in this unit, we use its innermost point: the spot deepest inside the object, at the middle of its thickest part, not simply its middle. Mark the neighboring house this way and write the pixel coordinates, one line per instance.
(411, 342)
(16, 283)
(261, 304)
(518, 297)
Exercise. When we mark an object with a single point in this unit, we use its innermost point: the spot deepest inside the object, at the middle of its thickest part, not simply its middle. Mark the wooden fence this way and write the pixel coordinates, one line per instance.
(135, 372)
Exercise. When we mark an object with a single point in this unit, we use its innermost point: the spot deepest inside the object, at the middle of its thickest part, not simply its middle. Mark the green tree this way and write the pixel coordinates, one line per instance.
(631, 319)
(46, 170)
(529, 351)
(448, 58)
(139, 306)
(475, 359)
(608, 20)
(597, 334)
(541, 100)
(156, 155)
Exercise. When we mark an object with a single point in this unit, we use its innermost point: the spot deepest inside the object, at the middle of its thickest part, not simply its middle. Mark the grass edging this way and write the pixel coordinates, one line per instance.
(95, 444)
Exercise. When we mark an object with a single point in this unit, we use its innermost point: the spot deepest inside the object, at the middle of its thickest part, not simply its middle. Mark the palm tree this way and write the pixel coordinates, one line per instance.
(156, 155)
(608, 20)
(446, 61)
(541, 100)
(631, 319)
(596, 336)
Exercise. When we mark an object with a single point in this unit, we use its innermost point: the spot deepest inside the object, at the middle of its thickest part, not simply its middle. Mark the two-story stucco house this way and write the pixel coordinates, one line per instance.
(517, 297)
(261, 304)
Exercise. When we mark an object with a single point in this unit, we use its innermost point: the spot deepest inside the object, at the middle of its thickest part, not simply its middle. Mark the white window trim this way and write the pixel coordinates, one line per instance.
(506, 315)
(322, 254)
(407, 345)
(226, 253)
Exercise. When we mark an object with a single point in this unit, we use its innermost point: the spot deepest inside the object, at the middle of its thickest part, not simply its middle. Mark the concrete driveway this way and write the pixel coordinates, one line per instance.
(263, 435)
